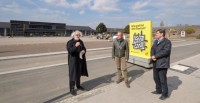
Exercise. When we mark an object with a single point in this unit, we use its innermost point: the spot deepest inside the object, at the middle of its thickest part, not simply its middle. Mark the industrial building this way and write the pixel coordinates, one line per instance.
(16, 28)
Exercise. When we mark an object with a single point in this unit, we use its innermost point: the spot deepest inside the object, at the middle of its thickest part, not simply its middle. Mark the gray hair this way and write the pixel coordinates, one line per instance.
(120, 33)
(76, 32)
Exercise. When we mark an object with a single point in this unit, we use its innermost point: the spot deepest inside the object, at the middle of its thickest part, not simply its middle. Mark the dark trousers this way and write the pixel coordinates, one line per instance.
(160, 78)
(73, 83)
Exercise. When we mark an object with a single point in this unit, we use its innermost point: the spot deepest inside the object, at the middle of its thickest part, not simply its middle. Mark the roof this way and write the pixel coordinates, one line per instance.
(70, 27)
(4, 25)
(114, 29)
(37, 22)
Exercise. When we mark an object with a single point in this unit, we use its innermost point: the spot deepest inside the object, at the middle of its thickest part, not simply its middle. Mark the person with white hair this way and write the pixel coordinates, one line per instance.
(76, 61)
(76, 32)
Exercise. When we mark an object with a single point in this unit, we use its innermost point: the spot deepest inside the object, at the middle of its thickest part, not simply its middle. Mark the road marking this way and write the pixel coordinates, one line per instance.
(187, 59)
(185, 45)
(46, 66)
(179, 41)
(46, 54)
(65, 52)
(185, 69)
(179, 68)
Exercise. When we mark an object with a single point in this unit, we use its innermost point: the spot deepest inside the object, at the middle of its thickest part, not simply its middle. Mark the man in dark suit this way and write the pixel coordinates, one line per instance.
(160, 56)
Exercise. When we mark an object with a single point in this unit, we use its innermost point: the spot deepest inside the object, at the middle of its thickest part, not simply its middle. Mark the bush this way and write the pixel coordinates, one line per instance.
(189, 30)
(198, 36)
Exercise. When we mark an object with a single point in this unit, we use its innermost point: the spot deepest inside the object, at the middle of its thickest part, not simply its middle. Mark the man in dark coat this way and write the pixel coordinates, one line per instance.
(76, 61)
(160, 56)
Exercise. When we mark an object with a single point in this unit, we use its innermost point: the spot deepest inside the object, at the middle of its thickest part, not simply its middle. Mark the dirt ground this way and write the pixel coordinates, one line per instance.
(12, 50)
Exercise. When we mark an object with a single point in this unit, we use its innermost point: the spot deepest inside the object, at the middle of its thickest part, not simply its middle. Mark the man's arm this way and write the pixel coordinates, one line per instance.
(152, 51)
(113, 50)
(127, 51)
(152, 59)
(83, 46)
(70, 47)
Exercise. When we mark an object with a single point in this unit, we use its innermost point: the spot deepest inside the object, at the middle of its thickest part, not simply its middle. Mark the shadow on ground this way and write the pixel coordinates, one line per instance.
(100, 82)
(110, 78)
(173, 83)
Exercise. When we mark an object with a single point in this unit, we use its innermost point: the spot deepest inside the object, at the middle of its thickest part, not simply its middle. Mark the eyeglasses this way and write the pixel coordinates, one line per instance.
(77, 35)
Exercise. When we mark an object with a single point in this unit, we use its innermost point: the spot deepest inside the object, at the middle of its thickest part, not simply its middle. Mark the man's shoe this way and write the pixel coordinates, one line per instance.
(119, 80)
(81, 88)
(127, 84)
(155, 92)
(163, 97)
(73, 92)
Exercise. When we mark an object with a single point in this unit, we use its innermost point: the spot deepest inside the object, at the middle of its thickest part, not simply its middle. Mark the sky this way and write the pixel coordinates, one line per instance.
(113, 13)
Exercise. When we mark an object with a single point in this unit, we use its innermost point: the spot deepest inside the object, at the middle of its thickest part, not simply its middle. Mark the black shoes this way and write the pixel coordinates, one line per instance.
(155, 92)
(81, 88)
(163, 97)
(73, 92)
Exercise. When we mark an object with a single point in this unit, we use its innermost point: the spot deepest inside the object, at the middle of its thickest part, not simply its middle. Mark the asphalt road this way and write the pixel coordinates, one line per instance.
(50, 84)
(24, 63)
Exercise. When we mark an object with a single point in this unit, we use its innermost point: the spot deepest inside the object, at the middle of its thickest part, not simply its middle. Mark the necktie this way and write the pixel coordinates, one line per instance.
(158, 42)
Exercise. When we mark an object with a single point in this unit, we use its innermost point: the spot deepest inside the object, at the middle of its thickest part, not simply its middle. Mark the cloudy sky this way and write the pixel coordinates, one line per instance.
(114, 13)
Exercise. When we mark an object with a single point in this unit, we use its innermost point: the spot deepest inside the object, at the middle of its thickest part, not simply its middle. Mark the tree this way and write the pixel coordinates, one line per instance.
(126, 29)
(162, 24)
(101, 28)
(189, 30)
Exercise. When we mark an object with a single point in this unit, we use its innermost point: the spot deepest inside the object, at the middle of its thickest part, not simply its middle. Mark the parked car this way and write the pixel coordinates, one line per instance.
(114, 37)
(99, 36)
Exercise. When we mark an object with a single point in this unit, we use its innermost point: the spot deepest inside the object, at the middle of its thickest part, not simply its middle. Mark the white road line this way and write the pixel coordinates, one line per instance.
(53, 65)
(185, 45)
(65, 52)
(187, 59)
(179, 41)
(46, 54)
(46, 66)
(31, 55)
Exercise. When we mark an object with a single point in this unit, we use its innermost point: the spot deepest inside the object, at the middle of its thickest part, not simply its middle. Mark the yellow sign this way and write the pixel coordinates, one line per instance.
(141, 39)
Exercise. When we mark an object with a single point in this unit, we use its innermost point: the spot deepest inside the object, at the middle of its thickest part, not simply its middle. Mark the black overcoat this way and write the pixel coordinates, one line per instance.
(77, 66)
(162, 52)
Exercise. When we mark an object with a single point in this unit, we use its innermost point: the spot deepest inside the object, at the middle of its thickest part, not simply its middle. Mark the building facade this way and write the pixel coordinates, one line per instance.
(41, 29)
(86, 30)
(30, 28)
(114, 30)
(4, 29)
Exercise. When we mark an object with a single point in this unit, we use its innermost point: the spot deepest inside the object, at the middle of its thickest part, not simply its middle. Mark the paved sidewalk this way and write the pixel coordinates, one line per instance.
(183, 88)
